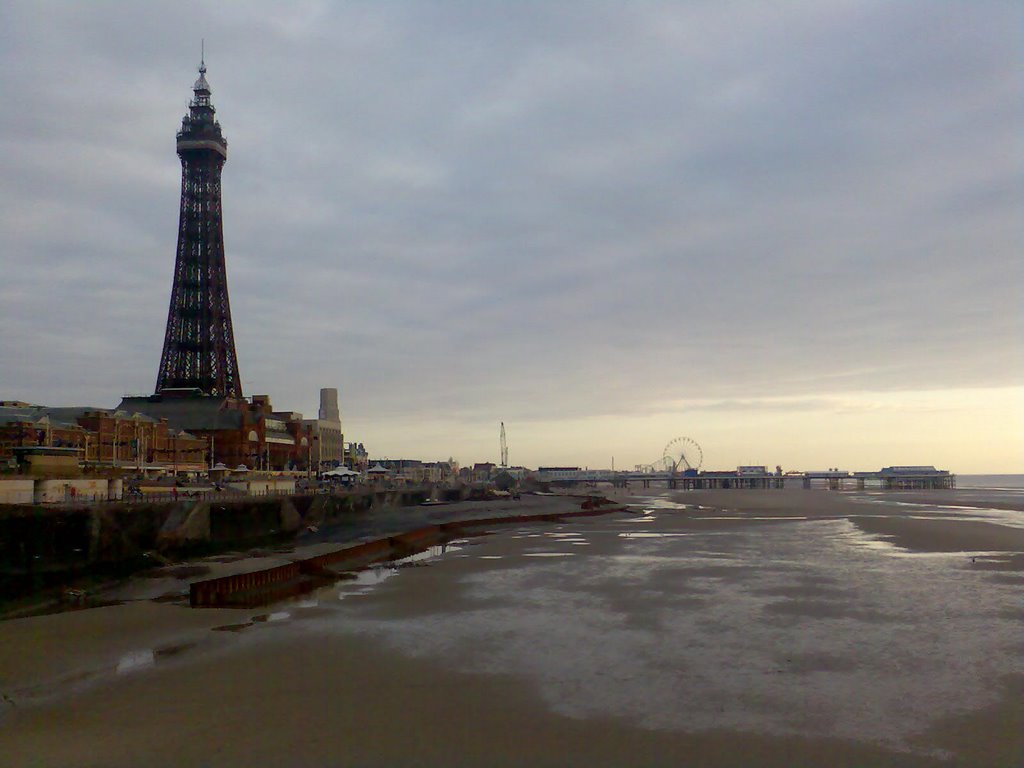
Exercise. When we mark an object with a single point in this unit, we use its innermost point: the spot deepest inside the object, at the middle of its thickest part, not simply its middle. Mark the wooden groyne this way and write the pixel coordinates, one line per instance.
(265, 585)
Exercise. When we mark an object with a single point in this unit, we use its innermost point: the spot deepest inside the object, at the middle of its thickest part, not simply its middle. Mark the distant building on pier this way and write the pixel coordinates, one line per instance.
(357, 457)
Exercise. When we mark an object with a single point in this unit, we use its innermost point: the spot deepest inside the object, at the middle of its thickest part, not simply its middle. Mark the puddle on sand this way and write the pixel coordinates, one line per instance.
(549, 554)
(232, 627)
(752, 517)
(346, 583)
(143, 659)
(660, 503)
(568, 538)
(430, 553)
(1011, 518)
(127, 663)
(275, 616)
(172, 650)
(355, 583)
(884, 543)
(135, 660)
(261, 618)
(358, 582)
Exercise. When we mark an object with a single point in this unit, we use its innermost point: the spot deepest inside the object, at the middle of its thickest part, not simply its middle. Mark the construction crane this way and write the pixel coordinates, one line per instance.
(504, 446)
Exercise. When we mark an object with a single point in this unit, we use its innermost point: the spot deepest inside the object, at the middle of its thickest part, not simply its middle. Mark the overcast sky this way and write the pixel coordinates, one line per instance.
(789, 231)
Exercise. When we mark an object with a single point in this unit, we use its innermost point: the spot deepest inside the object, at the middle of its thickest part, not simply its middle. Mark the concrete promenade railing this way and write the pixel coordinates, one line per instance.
(226, 496)
(218, 592)
(183, 494)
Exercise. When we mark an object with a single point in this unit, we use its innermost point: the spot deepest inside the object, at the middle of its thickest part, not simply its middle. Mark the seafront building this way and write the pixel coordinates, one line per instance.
(483, 471)
(326, 432)
(197, 416)
(96, 437)
(199, 386)
(417, 471)
(157, 433)
(357, 458)
(199, 340)
(236, 432)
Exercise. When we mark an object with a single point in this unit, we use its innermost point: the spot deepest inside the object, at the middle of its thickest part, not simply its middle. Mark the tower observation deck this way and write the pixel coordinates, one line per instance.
(199, 343)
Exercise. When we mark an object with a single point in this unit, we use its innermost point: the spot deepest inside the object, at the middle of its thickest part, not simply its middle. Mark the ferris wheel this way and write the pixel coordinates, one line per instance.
(681, 454)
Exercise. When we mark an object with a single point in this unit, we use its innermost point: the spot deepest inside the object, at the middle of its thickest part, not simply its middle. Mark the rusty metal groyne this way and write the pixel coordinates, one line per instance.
(215, 591)
(262, 586)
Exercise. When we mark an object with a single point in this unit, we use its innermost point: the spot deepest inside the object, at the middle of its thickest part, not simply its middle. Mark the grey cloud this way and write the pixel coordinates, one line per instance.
(553, 210)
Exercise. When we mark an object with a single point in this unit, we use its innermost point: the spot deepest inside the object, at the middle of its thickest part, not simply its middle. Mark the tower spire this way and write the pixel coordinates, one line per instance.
(199, 343)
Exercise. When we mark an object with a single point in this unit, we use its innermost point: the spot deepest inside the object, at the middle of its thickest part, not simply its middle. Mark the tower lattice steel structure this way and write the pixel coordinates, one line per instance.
(199, 345)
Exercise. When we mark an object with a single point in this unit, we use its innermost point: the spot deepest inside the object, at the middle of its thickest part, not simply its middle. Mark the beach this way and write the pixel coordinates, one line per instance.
(708, 628)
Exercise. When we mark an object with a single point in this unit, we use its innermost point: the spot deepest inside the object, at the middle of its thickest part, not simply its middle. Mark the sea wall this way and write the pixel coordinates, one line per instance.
(73, 489)
(62, 490)
(17, 490)
(45, 546)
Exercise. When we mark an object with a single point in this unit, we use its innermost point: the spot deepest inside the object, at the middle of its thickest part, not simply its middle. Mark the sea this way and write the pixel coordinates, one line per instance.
(998, 489)
(991, 482)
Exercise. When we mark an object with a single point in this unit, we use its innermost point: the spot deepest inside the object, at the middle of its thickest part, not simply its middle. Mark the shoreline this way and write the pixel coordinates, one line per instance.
(299, 690)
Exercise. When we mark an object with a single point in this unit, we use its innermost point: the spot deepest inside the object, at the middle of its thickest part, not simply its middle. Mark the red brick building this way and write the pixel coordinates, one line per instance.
(110, 438)
(235, 431)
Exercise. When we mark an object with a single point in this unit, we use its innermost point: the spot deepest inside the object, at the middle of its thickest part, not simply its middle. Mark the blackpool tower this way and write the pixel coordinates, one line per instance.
(199, 344)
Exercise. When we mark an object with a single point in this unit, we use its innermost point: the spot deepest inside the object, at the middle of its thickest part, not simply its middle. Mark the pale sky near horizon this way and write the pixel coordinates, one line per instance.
(791, 232)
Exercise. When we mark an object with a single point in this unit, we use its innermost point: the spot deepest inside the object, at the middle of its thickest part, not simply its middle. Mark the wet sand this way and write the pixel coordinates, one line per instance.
(515, 650)
(909, 525)
(933, 535)
(321, 700)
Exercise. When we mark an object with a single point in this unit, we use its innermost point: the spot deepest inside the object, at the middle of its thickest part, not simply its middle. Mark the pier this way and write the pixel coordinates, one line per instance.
(887, 479)
(900, 478)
